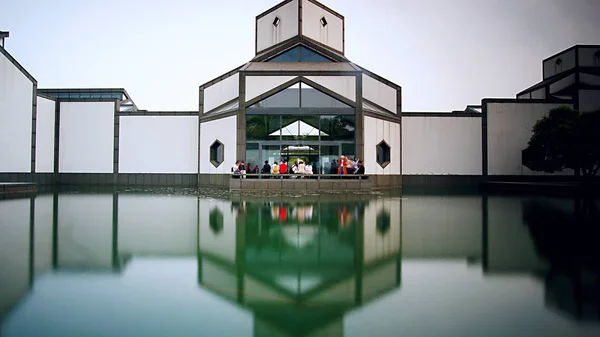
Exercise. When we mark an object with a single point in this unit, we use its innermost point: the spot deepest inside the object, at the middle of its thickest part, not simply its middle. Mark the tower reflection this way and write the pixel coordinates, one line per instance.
(300, 266)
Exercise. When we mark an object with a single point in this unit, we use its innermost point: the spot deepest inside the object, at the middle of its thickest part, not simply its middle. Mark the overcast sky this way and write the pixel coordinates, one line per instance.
(444, 53)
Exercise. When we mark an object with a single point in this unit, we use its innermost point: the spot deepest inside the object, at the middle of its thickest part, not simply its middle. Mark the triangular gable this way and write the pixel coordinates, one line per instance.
(297, 129)
(290, 97)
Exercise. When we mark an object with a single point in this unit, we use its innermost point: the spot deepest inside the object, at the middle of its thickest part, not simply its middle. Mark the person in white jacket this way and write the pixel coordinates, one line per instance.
(309, 168)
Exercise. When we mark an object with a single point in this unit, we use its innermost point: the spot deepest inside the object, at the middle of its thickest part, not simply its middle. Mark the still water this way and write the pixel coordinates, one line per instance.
(189, 263)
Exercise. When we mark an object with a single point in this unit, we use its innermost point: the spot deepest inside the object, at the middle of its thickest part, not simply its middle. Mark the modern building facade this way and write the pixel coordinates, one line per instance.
(300, 97)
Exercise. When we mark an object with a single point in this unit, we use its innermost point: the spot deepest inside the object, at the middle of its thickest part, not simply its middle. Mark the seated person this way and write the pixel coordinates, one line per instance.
(360, 169)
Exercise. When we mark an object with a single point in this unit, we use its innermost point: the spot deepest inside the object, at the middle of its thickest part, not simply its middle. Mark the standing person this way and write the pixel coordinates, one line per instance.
(309, 168)
(349, 166)
(342, 165)
(283, 167)
(333, 167)
(266, 169)
(301, 167)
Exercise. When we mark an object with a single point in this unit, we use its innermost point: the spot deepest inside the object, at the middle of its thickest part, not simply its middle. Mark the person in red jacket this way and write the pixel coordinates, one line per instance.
(283, 167)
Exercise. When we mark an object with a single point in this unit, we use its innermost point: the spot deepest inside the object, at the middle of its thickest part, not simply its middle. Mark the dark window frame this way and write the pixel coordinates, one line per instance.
(218, 158)
(387, 154)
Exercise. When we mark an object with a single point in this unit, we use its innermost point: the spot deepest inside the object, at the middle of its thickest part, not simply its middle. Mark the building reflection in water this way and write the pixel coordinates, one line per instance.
(552, 239)
(296, 266)
(300, 266)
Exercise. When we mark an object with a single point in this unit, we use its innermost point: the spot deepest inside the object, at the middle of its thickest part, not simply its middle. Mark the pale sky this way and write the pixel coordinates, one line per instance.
(444, 53)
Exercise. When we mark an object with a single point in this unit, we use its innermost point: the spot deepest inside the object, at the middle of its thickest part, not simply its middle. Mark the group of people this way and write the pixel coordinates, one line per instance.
(346, 165)
(299, 167)
(342, 166)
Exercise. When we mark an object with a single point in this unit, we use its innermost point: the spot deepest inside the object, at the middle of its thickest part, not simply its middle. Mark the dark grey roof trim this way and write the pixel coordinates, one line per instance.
(61, 100)
(42, 95)
(441, 114)
(379, 78)
(326, 8)
(218, 116)
(222, 105)
(548, 81)
(283, 46)
(301, 73)
(17, 64)
(381, 116)
(222, 77)
(158, 113)
(279, 5)
(523, 101)
(306, 38)
(571, 48)
(379, 107)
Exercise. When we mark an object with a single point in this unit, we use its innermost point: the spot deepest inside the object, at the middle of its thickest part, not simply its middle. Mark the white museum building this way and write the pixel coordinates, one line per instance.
(300, 97)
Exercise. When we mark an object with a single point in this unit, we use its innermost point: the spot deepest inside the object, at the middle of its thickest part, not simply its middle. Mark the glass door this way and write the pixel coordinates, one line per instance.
(328, 159)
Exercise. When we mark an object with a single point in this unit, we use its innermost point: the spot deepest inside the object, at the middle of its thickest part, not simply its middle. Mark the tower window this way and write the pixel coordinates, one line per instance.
(216, 153)
(383, 154)
(323, 22)
(276, 22)
(558, 65)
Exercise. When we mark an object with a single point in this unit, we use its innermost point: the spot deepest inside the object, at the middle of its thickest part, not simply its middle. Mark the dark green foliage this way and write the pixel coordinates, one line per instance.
(565, 139)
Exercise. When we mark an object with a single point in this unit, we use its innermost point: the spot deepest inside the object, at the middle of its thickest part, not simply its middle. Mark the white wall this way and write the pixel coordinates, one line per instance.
(168, 225)
(586, 57)
(16, 104)
(509, 128)
(441, 226)
(258, 85)
(14, 252)
(44, 135)
(221, 92)
(222, 243)
(268, 35)
(85, 231)
(441, 145)
(378, 246)
(224, 130)
(158, 144)
(86, 137)
(589, 100)
(568, 62)
(375, 131)
(342, 85)
(332, 35)
(379, 93)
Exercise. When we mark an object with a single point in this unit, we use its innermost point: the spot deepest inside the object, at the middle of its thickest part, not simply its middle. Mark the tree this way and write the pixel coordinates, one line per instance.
(562, 139)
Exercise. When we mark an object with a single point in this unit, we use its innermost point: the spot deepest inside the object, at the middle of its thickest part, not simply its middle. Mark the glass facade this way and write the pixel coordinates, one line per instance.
(300, 122)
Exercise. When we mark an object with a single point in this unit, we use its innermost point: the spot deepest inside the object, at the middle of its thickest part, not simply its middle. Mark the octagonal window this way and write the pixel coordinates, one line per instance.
(383, 154)
(217, 150)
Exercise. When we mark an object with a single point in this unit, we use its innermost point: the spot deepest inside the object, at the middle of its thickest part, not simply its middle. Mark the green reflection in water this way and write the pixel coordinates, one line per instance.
(299, 266)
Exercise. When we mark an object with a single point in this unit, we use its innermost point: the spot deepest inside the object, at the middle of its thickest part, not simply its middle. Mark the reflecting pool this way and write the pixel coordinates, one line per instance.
(179, 262)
